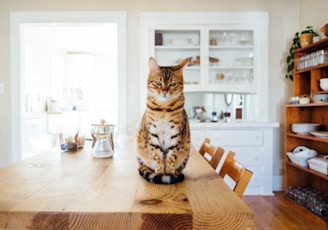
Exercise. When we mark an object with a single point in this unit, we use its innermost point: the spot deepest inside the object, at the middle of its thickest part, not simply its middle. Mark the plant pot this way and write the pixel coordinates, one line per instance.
(306, 39)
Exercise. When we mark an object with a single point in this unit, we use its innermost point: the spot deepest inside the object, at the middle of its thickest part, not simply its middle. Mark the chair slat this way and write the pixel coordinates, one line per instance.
(215, 153)
(237, 172)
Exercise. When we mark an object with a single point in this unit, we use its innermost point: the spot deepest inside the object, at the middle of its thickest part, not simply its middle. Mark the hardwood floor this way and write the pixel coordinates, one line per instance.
(277, 212)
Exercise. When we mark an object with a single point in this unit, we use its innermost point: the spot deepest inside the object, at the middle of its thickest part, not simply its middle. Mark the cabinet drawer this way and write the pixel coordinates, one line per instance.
(248, 156)
(257, 178)
(236, 137)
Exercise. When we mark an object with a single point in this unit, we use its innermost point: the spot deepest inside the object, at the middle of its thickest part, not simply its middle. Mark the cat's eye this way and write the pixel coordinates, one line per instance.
(158, 83)
(173, 84)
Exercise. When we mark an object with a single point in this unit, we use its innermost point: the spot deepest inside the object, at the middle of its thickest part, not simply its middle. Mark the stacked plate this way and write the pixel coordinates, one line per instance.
(305, 128)
(320, 134)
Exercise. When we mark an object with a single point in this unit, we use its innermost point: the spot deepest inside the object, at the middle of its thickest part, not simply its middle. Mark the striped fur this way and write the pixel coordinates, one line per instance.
(163, 138)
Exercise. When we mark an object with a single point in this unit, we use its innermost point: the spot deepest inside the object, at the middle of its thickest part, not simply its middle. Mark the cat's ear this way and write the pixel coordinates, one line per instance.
(153, 66)
(181, 64)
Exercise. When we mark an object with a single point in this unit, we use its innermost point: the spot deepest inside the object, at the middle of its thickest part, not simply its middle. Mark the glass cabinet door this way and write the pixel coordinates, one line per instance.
(235, 51)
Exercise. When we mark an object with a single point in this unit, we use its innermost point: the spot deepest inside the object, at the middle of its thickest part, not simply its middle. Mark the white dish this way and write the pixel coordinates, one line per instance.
(319, 98)
(305, 128)
(320, 134)
(296, 160)
(301, 155)
(245, 42)
(304, 152)
(299, 159)
(324, 83)
(319, 164)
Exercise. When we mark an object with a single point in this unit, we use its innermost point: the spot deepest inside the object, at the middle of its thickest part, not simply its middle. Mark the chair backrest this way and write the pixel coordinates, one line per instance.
(211, 153)
(237, 172)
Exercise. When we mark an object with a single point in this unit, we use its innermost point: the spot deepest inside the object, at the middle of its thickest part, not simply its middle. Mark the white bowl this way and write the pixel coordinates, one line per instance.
(305, 128)
(324, 83)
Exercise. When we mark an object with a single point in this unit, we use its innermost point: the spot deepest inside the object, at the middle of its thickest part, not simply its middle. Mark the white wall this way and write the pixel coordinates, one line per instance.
(284, 19)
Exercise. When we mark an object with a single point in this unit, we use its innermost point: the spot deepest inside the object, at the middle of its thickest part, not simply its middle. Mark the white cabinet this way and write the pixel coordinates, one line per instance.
(233, 137)
(218, 57)
(197, 137)
(228, 53)
(253, 144)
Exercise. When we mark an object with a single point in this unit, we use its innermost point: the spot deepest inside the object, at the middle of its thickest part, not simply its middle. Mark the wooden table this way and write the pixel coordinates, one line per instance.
(57, 190)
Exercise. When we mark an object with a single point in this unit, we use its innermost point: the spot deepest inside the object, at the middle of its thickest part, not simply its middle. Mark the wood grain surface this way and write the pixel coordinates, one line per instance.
(56, 190)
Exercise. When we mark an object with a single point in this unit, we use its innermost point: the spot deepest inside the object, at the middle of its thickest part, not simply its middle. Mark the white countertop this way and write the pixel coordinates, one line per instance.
(234, 124)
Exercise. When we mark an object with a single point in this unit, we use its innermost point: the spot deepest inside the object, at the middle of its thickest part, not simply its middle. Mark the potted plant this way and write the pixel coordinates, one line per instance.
(299, 40)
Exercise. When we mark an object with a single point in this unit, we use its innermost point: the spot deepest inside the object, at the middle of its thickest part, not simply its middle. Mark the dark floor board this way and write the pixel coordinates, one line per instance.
(278, 212)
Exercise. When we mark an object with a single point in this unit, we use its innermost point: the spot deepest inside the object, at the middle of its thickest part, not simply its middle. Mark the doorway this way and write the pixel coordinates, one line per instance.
(68, 75)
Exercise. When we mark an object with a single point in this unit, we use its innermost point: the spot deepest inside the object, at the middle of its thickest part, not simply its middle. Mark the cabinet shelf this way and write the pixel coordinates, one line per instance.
(322, 44)
(231, 47)
(307, 137)
(230, 67)
(193, 67)
(321, 92)
(321, 66)
(177, 47)
(321, 104)
(308, 170)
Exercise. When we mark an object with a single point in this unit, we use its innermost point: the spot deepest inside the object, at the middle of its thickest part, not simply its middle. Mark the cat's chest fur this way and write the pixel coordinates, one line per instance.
(161, 131)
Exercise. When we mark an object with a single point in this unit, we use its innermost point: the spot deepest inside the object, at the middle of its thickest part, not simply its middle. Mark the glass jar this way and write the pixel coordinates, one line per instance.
(102, 140)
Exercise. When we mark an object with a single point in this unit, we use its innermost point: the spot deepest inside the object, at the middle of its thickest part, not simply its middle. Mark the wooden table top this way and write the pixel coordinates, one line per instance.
(57, 190)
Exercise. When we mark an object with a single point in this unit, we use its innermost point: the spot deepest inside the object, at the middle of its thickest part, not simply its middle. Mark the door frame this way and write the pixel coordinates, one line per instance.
(17, 86)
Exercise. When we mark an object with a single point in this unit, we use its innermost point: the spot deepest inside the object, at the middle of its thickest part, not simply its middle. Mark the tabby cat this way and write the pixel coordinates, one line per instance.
(163, 138)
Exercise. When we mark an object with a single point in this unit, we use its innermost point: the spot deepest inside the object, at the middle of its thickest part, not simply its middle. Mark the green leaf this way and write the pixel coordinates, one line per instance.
(290, 76)
(290, 68)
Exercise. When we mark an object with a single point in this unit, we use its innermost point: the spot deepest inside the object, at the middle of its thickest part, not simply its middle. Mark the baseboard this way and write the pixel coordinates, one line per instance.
(277, 183)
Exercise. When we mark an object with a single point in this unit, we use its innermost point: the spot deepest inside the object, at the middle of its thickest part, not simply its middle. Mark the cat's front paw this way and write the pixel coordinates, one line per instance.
(159, 170)
(170, 169)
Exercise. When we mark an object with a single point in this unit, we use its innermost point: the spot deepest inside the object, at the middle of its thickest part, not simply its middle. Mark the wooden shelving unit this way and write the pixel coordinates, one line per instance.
(307, 82)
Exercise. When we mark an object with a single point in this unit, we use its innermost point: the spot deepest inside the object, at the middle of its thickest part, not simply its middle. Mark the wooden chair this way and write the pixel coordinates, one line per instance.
(237, 172)
(211, 153)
